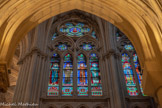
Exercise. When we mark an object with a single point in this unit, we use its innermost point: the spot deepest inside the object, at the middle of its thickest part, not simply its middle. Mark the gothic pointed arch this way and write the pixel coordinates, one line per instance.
(78, 42)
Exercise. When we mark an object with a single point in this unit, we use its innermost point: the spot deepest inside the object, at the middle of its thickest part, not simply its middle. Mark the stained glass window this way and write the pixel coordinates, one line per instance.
(96, 87)
(94, 34)
(87, 46)
(66, 67)
(129, 76)
(74, 30)
(128, 47)
(67, 80)
(138, 71)
(82, 82)
(53, 85)
(54, 36)
(62, 46)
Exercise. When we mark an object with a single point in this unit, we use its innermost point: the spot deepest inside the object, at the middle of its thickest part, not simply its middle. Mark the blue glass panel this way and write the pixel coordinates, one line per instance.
(67, 91)
(82, 71)
(82, 91)
(128, 71)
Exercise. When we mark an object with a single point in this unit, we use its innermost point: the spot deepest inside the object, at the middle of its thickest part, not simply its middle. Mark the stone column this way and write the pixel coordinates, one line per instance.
(29, 84)
(116, 98)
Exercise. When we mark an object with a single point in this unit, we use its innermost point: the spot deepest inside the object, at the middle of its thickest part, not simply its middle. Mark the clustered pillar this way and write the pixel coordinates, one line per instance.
(33, 59)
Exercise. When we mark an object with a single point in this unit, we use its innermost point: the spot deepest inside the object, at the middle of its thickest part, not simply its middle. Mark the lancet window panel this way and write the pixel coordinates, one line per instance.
(138, 71)
(53, 85)
(130, 65)
(96, 87)
(67, 78)
(82, 74)
(129, 76)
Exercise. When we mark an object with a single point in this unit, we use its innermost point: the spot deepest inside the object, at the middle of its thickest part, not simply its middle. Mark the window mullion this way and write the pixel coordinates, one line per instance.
(75, 74)
(89, 77)
(61, 77)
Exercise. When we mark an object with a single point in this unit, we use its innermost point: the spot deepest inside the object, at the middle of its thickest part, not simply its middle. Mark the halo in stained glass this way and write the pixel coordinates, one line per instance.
(74, 30)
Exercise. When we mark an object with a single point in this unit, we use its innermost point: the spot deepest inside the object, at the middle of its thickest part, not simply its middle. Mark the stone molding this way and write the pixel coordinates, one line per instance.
(110, 53)
(33, 50)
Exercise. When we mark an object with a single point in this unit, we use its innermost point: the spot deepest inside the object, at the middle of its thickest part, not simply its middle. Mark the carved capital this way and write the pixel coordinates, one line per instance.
(4, 80)
(109, 53)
